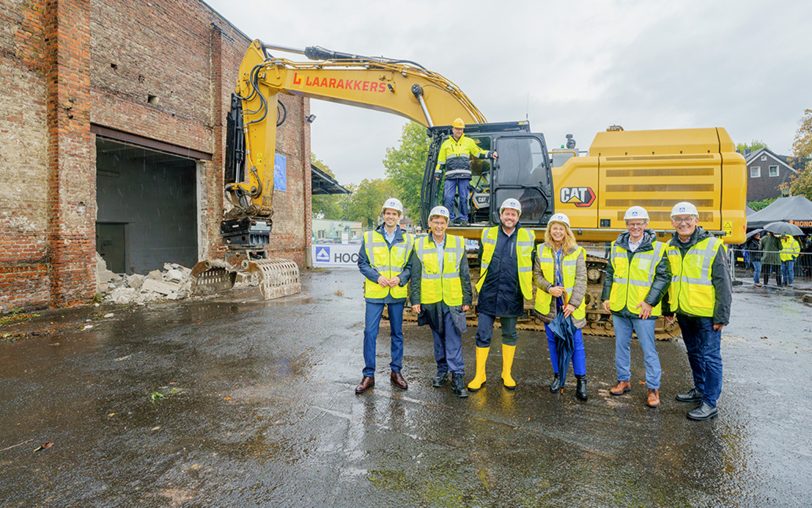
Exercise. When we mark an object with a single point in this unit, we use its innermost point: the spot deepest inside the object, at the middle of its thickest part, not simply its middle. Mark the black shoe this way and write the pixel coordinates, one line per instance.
(458, 386)
(703, 412)
(440, 379)
(692, 395)
(580, 388)
(555, 384)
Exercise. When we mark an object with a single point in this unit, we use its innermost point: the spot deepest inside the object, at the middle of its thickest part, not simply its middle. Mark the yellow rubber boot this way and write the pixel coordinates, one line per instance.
(507, 364)
(479, 378)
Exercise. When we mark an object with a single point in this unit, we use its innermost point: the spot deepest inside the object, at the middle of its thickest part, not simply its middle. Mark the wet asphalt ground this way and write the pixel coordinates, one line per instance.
(236, 401)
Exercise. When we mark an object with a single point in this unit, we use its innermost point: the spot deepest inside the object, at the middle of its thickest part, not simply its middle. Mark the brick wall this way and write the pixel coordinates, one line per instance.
(163, 70)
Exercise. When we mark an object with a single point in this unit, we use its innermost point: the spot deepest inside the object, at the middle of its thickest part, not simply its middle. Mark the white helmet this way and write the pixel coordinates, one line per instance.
(636, 212)
(559, 217)
(440, 211)
(393, 204)
(511, 203)
(684, 208)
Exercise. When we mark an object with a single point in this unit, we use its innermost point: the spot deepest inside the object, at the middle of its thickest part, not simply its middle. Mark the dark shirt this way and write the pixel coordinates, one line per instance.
(501, 294)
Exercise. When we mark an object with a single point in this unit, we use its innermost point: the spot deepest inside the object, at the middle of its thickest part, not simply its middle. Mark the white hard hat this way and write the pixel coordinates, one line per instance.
(636, 212)
(511, 203)
(684, 208)
(440, 211)
(393, 204)
(560, 217)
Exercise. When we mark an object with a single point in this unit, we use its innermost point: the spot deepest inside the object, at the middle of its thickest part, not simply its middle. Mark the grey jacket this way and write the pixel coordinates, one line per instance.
(578, 292)
(662, 274)
(720, 278)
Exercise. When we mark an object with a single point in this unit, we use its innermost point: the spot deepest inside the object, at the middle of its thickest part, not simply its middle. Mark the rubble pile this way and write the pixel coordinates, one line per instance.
(172, 283)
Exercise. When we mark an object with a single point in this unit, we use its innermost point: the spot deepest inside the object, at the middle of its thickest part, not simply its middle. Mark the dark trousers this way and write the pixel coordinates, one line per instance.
(448, 347)
(767, 269)
(703, 345)
(484, 330)
(372, 320)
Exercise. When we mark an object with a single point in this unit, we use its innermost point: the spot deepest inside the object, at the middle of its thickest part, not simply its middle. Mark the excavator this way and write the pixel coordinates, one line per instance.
(651, 168)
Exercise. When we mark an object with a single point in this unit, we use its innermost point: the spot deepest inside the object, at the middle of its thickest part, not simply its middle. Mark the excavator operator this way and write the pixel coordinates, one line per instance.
(455, 159)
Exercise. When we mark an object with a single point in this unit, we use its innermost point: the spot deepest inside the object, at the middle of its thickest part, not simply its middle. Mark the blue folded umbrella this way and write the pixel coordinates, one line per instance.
(564, 332)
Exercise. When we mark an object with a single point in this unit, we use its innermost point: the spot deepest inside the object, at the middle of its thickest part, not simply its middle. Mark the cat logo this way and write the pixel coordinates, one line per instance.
(581, 197)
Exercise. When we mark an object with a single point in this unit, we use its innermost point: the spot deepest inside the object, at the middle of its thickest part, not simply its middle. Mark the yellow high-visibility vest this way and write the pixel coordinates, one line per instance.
(388, 262)
(691, 289)
(524, 258)
(434, 285)
(632, 283)
(790, 249)
(544, 300)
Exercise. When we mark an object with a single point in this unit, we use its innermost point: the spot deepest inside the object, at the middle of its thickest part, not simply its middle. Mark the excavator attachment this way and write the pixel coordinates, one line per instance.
(275, 277)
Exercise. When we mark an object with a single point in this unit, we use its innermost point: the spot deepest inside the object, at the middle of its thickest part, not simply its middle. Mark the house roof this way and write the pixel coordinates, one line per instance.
(782, 209)
(781, 159)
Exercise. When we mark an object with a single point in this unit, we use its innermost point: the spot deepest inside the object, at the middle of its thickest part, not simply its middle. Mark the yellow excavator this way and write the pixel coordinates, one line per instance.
(652, 168)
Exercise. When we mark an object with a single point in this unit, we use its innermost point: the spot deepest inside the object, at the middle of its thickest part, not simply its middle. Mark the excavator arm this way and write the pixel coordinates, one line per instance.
(394, 86)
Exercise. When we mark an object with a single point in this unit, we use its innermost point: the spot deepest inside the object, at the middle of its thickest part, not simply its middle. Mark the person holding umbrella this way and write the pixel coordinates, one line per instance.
(440, 293)
(637, 278)
(770, 245)
(700, 295)
(790, 250)
(560, 276)
(753, 246)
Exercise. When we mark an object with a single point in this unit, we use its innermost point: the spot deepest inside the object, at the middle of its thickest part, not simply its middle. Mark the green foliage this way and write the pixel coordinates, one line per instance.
(761, 204)
(405, 165)
(366, 201)
(801, 183)
(321, 165)
(751, 147)
(332, 206)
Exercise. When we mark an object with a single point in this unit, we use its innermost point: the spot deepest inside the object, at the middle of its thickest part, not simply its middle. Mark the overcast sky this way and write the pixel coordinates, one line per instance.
(568, 67)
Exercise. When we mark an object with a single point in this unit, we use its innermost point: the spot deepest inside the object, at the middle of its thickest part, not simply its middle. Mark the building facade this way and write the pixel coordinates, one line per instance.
(766, 171)
(113, 122)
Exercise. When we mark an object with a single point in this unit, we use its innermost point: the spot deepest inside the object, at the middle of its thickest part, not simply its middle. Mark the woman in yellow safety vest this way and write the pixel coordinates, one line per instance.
(560, 275)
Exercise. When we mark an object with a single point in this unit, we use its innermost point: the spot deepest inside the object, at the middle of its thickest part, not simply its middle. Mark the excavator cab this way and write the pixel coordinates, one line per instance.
(521, 171)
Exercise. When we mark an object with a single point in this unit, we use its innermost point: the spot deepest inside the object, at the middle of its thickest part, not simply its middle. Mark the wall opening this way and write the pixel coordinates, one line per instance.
(147, 207)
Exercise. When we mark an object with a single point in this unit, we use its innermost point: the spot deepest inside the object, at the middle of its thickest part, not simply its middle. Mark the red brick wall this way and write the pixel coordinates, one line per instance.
(101, 63)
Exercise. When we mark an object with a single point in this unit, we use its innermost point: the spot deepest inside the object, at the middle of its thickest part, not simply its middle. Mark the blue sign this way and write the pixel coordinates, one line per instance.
(323, 254)
(280, 173)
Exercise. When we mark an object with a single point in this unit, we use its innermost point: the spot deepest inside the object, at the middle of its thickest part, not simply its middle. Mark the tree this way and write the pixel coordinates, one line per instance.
(405, 164)
(751, 147)
(760, 204)
(801, 184)
(329, 206)
(366, 200)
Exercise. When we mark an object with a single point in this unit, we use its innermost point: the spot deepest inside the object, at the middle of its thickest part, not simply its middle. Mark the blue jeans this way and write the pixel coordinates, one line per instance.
(788, 272)
(756, 272)
(452, 186)
(484, 330)
(703, 344)
(578, 355)
(623, 345)
(448, 347)
(372, 320)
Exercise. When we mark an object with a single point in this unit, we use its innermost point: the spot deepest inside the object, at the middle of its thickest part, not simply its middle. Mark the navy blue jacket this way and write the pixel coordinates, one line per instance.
(501, 294)
(372, 274)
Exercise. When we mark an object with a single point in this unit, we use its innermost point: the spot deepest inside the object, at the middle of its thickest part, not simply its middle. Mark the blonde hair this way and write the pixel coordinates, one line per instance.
(568, 244)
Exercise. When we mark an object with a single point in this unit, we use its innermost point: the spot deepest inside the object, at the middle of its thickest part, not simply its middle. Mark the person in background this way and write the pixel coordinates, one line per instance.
(790, 250)
(770, 261)
(753, 246)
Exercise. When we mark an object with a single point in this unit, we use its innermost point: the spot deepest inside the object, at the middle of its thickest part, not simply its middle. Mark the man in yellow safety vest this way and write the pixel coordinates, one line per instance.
(637, 278)
(440, 292)
(700, 295)
(383, 260)
(505, 282)
(790, 250)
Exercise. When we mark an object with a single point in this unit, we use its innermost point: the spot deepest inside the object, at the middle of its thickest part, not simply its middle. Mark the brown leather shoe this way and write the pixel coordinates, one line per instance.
(620, 388)
(653, 398)
(366, 383)
(398, 381)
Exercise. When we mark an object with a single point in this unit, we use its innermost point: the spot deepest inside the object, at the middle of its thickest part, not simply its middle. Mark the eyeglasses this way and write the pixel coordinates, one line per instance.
(636, 224)
(684, 220)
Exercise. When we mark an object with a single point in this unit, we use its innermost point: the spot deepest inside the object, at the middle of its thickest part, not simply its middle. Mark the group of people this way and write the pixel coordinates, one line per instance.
(770, 254)
(686, 279)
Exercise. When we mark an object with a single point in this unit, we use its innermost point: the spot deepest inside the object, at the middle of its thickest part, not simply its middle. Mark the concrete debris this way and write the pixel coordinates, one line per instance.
(173, 283)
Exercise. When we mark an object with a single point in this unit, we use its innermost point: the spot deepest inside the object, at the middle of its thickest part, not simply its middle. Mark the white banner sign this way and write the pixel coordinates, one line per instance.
(336, 254)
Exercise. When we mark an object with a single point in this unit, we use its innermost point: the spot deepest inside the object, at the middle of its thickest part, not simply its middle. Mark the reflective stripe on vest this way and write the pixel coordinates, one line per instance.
(789, 249)
(544, 300)
(692, 290)
(631, 285)
(388, 262)
(436, 286)
(524, 258)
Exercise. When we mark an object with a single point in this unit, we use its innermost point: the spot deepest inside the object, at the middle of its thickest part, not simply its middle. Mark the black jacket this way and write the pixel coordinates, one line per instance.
(662, 275)
(754, 246)
(501, 293)
(720, 278)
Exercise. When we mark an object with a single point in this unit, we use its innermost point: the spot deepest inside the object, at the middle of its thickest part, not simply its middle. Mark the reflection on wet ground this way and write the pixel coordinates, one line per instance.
(237, 401)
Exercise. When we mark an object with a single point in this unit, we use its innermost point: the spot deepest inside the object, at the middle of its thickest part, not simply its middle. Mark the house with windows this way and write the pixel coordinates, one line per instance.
(766, 171)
